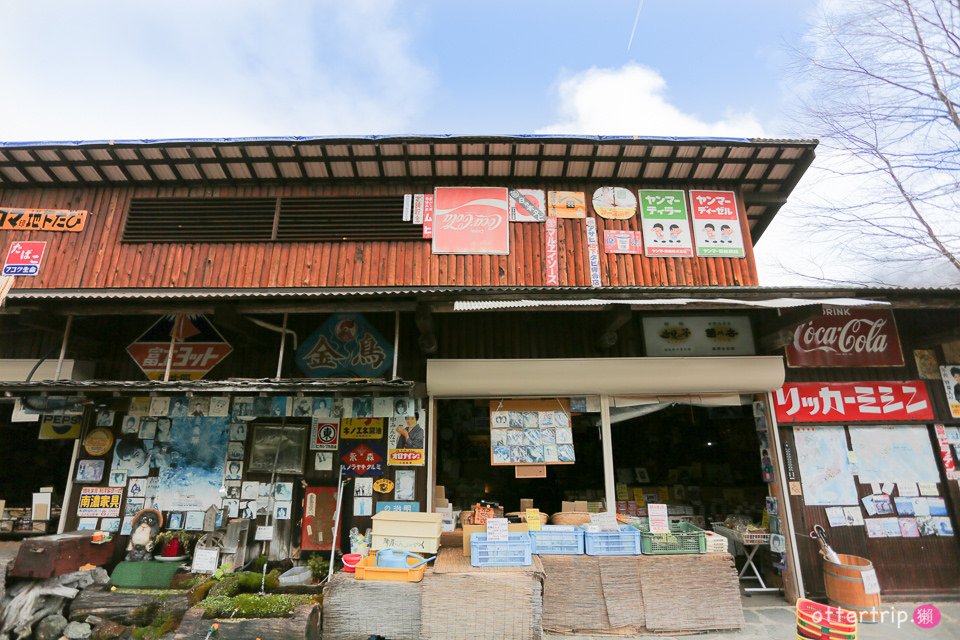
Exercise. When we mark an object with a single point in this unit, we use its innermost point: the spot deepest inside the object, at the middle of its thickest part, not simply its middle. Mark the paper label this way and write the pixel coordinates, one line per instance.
(659, 521)
(205, 560)
(607, 521)
(497, 530)
(263, 533)
(533, 520)
(870, 584)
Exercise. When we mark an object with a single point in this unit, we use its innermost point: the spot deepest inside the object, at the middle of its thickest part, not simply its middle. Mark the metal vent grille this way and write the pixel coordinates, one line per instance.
(373, 218)
(200, 219)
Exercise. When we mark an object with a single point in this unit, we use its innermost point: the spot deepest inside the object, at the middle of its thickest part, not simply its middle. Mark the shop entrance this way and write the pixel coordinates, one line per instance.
(464, 462)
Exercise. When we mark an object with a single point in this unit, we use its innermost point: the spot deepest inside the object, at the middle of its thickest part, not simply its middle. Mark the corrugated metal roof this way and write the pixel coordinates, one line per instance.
(766, 170)
(773, 303)
(233, 385)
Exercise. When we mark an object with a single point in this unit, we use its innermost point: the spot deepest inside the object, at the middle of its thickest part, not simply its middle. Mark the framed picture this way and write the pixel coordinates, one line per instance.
(89, 471)
(284, 446)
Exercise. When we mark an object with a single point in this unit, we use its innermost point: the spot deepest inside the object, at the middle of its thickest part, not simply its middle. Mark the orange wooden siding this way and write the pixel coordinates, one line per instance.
(96, 259)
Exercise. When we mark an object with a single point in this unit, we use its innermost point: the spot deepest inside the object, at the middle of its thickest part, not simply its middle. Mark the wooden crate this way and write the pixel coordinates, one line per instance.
(51, 556)
(406, 523)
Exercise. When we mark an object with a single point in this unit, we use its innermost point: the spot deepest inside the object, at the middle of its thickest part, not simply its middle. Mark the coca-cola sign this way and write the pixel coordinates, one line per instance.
(844, 337)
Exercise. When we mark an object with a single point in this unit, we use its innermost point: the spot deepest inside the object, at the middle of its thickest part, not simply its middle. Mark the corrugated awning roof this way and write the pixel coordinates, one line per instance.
(772, 303)
(767, 170)
(235, 385)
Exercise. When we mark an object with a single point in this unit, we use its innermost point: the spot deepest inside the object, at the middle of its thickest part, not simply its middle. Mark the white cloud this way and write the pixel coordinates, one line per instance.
(633, 100)
(100, 69)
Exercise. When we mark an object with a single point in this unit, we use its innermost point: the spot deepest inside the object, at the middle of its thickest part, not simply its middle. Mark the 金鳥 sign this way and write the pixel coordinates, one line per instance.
(716, 224)
(871, 401)
(666, 229)
(24, 258)
(198, 347)
(345, 346)
(42, 220)
(847, 338)
(471, 220)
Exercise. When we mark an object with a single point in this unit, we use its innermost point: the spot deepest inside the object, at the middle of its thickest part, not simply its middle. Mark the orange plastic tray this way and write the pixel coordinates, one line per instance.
(368, 570)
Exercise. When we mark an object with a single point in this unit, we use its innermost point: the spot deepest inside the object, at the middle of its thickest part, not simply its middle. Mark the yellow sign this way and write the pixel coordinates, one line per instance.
(361, 428)
(42, 220)
(383, 485)
(60, 427)
(534, 523)
(98, 442)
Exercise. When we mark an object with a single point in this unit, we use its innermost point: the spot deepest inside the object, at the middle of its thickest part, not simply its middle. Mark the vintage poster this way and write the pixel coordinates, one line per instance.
(319, 508)
(927, 366)
(60, 427)
(900, 454)
(624, 241)
(199, 347)
(363, 461)
(716, 224)
(593, 251)
(826, 472)
(133, 455)
(405, 441)
(532, 436)
(527, 205)
(566, 204)
(698, 336)
(361, 428)
(867, 401)
(42, 219)
(345, 346)
(471, 221)
(99, 502)
(192, 464)
(663, 219)
(324, 436)
(24, 258)
(614, 203)
(950, 375)
(428, 216)
(846, 337)
(551, 254)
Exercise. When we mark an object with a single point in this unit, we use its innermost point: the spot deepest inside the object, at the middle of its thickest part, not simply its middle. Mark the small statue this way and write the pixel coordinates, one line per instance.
(146, 526)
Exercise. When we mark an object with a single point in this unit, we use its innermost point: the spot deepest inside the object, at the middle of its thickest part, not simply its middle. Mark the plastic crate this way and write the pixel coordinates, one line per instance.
(625, 542)
(683, 538)
(557, 540)
(515, 552)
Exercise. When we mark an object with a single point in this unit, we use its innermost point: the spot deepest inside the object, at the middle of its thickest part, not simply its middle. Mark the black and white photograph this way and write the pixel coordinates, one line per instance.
(278, 449)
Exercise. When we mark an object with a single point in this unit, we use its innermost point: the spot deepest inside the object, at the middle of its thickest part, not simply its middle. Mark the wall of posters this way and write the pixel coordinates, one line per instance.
(847, 338)
(698, 336)
(716, 224)
(531, 432)
(950, 375)
(663, 219)
(405, 441)
(527, 205)
(471, 220)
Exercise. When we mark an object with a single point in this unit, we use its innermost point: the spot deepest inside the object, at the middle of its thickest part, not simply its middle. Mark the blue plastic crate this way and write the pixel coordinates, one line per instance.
(558, 540)
(515, 552)
(625, 542)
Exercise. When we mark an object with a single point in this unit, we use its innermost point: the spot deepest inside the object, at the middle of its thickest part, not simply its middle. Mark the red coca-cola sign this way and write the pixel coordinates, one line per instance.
(844, 337)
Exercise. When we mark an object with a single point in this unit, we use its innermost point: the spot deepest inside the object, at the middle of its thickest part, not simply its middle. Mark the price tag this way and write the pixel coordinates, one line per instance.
(870, 584)
(205, 560)
(659, 521)
(533, 519)
(606, 521)
(497, 530)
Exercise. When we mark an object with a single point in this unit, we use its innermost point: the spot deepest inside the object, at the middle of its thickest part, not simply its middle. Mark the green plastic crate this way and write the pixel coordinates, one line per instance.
(683, 538)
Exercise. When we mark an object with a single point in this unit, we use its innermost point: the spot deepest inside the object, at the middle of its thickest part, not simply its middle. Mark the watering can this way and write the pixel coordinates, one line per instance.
(397, 559)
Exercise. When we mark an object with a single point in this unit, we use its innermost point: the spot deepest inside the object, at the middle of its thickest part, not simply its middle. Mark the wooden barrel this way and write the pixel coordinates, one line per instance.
(845, 586)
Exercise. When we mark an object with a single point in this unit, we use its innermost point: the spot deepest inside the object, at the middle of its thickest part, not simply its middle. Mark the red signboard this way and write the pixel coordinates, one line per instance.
(428, 215)
(806, 402)
(24, 258)
(551, 254)
(471, 220)
(363, 461)
(198, 347)
(846, 337)
(319, 510)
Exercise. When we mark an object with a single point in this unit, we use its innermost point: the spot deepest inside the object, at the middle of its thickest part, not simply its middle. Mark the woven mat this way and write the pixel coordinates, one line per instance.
(482, 606)
(620, 578)
(580, 593)
(357, 609)
(689, 593)
(452, 560)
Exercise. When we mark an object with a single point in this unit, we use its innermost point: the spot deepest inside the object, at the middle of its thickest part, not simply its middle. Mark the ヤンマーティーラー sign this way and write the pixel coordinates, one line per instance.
(663, 219)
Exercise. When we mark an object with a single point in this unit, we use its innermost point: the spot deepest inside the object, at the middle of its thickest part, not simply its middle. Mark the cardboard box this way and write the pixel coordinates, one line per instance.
(567, 506)
(526, 503)
(439, 492)
(520, 527)
(407, 523)
(581, 505)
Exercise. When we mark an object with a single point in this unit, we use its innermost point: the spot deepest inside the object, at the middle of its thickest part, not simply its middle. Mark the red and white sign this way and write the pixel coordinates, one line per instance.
(716, 224)
(471, 220)
(847, 338)
(805, 402)
(428, 215)
(324, 436)
(198, 347)
(949, 464)
(24, 258)
(625, 241)
(551, 257)
(593, 251)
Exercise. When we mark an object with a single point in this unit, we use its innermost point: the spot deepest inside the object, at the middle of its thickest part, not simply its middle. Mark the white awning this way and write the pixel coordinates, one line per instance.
(773, 303)
(659, 377)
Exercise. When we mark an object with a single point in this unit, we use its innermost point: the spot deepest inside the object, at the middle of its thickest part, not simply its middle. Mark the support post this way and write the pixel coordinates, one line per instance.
(63, 347)
(67, 490)
(606, 443)
(283, 344)
(788, 530)
(396, 342)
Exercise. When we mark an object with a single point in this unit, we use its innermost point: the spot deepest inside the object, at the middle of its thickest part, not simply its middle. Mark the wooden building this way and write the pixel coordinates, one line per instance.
(269, 238)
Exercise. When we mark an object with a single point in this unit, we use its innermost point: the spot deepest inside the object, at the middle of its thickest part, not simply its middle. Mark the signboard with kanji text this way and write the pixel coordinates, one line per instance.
(99, 502)
(24, 258)
(197, 348)
(716, 224)
(843, 402)
(42, 220)
(345, 346)
(363, 460)
(663, 219)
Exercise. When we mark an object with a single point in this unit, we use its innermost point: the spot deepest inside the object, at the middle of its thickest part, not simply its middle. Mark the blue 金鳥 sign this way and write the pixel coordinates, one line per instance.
(345, 346)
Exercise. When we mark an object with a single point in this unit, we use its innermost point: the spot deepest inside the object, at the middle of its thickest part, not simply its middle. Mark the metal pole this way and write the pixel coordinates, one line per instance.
(63, 347)
(283, 344)
(68, 490)
(173, 343)
(787, 530)
(336, 525)
(396, 341)
(606, 442)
